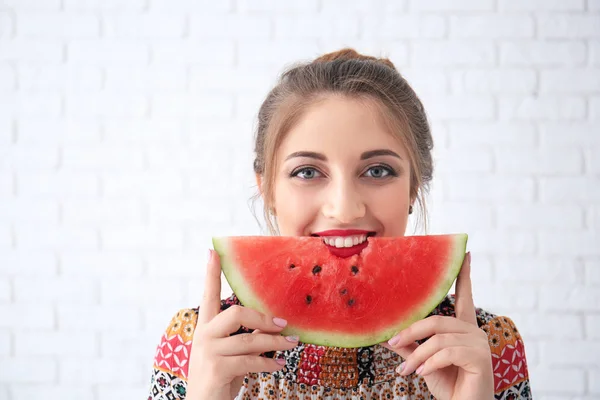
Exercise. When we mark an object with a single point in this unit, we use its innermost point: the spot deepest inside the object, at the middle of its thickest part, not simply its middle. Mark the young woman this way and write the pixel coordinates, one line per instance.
(343, 144)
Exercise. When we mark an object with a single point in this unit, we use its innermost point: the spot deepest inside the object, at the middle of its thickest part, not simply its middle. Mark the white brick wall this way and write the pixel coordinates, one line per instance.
(126, 138)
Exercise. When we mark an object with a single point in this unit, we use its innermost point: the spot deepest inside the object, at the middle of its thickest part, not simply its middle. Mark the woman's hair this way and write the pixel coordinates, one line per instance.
(348, 73)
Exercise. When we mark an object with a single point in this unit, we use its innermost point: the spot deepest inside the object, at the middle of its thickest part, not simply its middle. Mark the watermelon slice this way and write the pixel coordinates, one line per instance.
(342, 302)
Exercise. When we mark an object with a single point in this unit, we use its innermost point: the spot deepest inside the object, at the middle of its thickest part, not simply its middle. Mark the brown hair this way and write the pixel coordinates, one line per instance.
(344, 72)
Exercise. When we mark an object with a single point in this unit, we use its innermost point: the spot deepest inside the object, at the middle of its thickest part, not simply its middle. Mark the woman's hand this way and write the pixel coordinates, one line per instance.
(216, 358)
(456, 360)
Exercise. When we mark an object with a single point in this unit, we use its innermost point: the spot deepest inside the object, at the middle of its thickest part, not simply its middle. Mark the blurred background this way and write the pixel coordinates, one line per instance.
(126, 131)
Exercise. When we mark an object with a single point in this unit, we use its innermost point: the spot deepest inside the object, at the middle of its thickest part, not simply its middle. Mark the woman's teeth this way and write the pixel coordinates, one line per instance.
(346, 241)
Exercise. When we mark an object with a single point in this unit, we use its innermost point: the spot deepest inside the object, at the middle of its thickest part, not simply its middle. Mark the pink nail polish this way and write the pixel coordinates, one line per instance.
(419, 370)
(210, 253)
(400, 368)
(393, 341)
(280, 322)
(280, 361)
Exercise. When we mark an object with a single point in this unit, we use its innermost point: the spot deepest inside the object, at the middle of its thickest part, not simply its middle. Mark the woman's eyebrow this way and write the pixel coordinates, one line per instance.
(379, 152)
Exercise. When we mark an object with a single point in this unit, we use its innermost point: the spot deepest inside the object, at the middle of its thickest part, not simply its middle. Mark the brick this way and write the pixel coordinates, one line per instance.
(25, 264)
(100, 371)
(577, 298)
(5, 344)
(57, 184)
(530, 53)
(426, 80)
(458, 5)
(565, 26)
(593, 5)
(559, 380)
(461, 134)
(28, 370)
(8, 77)
(570, 81)
(594, 53)
(6, 184)
(593, 159)
(545, 161)
(107, 52)
(82, 158)
(32, 5)
(145, 26)
(199, 158)
(453, 53)
(583, 243)
(571, 353)
(594, 381)
(479, 160)
(94, 212)
(133, 237)
(561, 190)
(5, 290)
(498, 297)
(176, 52)
(230, 26)
(542, 5)
(231, 80)
(6, 237)
(179, 212)
(494, 242)
(527, 269)
(30, 104)
(57, 25)
(86, 320)
(105, 5)
(183, 105)
(28, 158)
(496, 81)
(55, 131)
(57, 290)
(103, 264)
(536, 216)
(146, 184)
(267, 6)
(52, 237)
(135, 131)
(494, 26)
(30, 211)
(594, 217)
(550, 326)
(106, 105)
(569, 133)
(490, 188)
(594, 106)
(59, 77)
(54, 344)
(468, 217)
(146, 78)
(52, 391)
(452, 108)
(31, 50)
(592, 326)
(314, 27)
(275, 53)
(398, 26)
(179, 265)
(129, 344)
(206, 6)
(548, 107)
(125, 391)
(135, 292)
(12, 317)
(592, 272)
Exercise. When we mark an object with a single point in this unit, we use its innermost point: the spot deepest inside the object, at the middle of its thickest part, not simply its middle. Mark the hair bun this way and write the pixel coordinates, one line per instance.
(351, 54)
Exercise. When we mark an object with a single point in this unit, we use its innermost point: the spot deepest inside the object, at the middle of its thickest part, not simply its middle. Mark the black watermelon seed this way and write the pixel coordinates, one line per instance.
(308, 299)
(317, 269)
(354, 269)
(351, 302)
(343, 291)
(292, 266)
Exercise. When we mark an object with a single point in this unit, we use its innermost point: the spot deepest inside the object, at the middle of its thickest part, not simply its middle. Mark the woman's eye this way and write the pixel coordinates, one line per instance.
(379, 172)
(307, 173)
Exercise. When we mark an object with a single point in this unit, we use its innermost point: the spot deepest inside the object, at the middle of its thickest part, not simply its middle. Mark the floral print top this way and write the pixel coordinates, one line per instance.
(319, 372)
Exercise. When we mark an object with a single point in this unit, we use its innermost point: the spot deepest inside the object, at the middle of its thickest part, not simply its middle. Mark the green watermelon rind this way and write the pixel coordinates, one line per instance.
(249, 299)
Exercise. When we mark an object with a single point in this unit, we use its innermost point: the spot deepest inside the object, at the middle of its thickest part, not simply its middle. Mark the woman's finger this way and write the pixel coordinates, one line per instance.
(432, 346)
(232, 319)
(242, 365)
(211, 298)
(255, 344)
(470, 359)
(428, 327)
(465, 306)
(404, 351)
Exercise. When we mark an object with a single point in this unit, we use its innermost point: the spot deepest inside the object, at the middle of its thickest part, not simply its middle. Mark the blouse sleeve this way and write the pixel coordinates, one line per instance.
(511, 375)
(170, 366)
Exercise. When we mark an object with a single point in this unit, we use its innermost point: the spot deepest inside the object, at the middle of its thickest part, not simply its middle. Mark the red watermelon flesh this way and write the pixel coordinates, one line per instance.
(342, 302)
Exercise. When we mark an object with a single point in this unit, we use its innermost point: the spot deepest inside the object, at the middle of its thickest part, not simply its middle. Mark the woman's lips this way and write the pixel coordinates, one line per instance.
(345, 252)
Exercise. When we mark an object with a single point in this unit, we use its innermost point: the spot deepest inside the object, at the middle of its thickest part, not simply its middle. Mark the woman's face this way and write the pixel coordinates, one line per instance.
(340, 169)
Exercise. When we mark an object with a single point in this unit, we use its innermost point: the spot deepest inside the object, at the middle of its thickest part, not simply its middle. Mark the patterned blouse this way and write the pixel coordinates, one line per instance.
(318, 372)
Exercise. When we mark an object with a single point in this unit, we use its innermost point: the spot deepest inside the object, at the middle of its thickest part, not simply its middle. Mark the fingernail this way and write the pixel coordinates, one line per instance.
(400, 367)
(393, 341)
(210, 253)
(280, 361)
(292, 339)
(469, 257)
(280, 322)
(418, 371)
